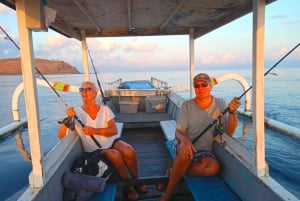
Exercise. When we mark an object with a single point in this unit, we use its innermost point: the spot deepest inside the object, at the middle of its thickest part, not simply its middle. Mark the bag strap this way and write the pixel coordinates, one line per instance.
(94, 139)
(96, 142)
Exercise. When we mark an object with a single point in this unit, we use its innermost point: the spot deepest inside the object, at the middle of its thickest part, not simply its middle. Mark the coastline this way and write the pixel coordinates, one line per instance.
(12, 66)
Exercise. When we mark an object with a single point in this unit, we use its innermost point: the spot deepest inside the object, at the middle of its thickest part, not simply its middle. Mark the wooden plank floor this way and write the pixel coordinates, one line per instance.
(142, 117)
(153, 159)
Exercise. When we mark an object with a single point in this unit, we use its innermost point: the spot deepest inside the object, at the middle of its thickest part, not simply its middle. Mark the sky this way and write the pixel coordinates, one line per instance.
(229, 46)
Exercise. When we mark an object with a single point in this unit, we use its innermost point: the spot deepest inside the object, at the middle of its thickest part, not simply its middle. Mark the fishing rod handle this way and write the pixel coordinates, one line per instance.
(204, 131)
(79, 121)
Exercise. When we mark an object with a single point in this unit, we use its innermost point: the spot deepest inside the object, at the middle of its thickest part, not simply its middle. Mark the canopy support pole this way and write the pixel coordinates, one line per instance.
(258, 86)
(36, 178)
(192, 61)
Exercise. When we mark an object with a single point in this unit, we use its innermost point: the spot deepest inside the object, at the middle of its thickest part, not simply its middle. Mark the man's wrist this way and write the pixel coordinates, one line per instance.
(234, 112)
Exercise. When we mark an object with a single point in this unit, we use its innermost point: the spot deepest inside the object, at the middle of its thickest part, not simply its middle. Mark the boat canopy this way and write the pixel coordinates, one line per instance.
(139, 17)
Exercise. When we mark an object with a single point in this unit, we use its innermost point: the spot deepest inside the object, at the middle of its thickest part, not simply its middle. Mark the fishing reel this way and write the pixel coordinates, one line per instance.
(219, 131)
(68, 122)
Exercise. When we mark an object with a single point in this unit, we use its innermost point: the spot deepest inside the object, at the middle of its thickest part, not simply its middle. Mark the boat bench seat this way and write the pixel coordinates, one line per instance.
(202, 188)
(109, 192)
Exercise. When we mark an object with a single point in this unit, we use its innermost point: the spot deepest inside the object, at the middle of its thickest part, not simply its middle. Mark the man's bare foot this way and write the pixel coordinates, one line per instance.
(131, 193)
(164, 197)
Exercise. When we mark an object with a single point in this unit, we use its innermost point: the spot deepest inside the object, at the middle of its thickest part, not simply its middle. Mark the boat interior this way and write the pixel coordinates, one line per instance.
(146, 118)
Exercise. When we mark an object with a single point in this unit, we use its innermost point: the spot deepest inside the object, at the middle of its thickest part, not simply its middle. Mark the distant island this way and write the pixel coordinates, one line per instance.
(12, 66)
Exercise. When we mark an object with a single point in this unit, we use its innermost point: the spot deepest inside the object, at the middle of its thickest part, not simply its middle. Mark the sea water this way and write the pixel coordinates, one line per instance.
(282, 95)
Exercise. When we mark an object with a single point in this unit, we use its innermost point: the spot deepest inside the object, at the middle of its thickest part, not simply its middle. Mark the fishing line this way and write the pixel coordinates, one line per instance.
(62, 100)
(98, 82)
(227, 109)
(44, 78)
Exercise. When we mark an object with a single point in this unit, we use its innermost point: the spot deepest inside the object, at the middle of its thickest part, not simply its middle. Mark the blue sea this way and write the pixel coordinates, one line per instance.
(282, 103)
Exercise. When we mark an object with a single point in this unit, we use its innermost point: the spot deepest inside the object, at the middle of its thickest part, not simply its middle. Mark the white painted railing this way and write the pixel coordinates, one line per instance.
(281, 127)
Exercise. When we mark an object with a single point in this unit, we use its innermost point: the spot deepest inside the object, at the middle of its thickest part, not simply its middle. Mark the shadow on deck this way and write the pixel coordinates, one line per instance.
(153, 159)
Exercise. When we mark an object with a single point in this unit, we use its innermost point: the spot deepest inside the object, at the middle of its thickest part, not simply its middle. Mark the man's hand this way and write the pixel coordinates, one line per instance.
(68, 122)
(186, 149)
(234, 105)
(70, 112)
(88, 130)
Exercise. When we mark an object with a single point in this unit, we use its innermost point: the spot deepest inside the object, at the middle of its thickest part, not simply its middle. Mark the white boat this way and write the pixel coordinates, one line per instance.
(244, 174)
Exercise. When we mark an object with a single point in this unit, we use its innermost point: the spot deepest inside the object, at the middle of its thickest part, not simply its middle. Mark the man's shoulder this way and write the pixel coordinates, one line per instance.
(220, 101)
(190, 101)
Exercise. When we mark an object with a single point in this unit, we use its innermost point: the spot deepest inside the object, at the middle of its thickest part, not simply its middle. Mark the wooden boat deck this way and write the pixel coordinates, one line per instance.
(153, 159)
(141, 117)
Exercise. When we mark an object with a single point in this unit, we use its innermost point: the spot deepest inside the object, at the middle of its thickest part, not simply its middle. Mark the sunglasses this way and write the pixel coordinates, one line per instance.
(85, 89)
(200, 85)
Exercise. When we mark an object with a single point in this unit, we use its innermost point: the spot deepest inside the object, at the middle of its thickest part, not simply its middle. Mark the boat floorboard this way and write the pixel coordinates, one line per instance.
(142, 117)
(153, 159)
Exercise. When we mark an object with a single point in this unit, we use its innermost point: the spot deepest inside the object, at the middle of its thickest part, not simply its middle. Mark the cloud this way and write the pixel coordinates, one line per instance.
(279, 16)
(225, 58)
(140, 47)
(291, 22)
(295, 55)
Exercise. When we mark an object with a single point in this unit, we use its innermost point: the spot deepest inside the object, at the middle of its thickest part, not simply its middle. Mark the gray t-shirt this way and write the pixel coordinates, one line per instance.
(194, 120)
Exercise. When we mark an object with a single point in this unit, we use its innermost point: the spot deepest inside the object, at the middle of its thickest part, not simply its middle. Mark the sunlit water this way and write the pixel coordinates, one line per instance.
(282, 95)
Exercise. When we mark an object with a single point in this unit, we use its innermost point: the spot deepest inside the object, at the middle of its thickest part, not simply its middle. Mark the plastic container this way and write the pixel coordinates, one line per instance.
(128, 106)
(155, 104)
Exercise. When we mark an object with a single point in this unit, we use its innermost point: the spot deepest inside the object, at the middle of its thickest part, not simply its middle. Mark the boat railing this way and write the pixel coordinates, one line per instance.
(244, 84)
(113, 85)
(19, 122)
(158, 83)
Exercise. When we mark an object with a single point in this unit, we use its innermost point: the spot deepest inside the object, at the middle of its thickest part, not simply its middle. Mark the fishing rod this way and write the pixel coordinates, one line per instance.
(66, 121)
(104, 99)
(227, 109)
(62, 100)
(44, 78)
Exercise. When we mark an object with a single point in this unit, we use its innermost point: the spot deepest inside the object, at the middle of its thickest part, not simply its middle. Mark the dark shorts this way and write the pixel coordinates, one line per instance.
(111, 147)
(113, 144)
(202, 154)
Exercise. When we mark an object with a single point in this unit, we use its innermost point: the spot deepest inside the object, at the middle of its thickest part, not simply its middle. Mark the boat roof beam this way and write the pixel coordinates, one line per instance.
(130, 28)
(229, 17)
(87, 14)
(172, 14)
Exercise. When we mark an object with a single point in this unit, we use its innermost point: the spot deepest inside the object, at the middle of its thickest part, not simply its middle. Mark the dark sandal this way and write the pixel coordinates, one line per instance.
(143, 189)
(131, 194)
(163, 186)
(165, 195)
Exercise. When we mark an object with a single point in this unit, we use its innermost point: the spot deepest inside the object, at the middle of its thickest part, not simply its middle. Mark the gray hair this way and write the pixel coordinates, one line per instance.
(91, 83)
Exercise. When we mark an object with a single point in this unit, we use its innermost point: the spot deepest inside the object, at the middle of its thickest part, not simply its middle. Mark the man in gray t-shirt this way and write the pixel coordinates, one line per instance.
(195, 115)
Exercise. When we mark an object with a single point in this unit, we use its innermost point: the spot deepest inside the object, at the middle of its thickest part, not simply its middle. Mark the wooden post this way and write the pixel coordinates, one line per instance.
(84, 56)
(192, 61)
(258, 86)
(30, 92)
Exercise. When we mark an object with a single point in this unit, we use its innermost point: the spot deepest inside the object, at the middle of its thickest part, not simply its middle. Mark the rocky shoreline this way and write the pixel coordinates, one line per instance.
(12, 66)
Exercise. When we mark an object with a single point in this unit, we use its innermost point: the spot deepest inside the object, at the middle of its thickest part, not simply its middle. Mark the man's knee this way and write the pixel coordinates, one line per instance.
(211, 167)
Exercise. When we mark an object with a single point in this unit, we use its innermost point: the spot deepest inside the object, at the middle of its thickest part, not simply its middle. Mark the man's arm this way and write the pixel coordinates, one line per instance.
(110, 130)
(186, 147)
(232, 121)
(62, 131)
